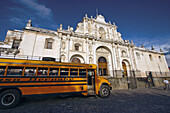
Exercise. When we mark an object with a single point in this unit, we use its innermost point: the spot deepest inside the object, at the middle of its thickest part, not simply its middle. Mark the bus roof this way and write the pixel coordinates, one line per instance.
(40, 62)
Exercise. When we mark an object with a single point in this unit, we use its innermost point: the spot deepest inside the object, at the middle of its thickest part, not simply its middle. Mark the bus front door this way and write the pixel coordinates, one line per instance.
(91, 81)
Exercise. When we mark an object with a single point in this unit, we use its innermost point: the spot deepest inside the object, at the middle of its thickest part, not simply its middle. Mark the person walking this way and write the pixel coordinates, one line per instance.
(166, 82)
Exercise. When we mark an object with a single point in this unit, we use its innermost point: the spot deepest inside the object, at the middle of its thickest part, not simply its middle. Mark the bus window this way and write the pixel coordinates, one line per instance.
(2, 70)
(54, 71)
(64, 72)
(42, 71)
(14, 71)
(82, 72)
(74, 72)
(30, 71)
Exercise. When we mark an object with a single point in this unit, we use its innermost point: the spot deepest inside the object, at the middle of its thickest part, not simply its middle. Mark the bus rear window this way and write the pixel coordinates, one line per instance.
(82, 72)
(42, 71)
(64, 72)
(30, 71)
(2, 70)
(74, 72)
(54, 71)
(14, 71)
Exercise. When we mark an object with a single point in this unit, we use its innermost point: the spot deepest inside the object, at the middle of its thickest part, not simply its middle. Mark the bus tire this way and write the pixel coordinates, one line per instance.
(104, 91)
(9, 98)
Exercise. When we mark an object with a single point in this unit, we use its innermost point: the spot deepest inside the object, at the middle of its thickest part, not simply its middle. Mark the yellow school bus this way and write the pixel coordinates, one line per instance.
(19, 78)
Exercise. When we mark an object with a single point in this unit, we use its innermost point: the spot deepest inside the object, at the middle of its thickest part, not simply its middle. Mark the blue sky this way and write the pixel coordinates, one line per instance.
(143, 21)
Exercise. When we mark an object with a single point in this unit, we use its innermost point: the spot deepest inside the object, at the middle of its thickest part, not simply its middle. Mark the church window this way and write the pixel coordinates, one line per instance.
(123, 53)
(15, 44)
(138, 55)
(77, 46)
(160, 59)
(150, 57)
(49, 43)
(76, 60)
(102, 59)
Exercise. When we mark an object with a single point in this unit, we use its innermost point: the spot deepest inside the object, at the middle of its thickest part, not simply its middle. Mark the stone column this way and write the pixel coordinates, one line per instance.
(114, 63)
(87, 50)
(67, 47)
(119, 65)
(94, 51)
(60, 44)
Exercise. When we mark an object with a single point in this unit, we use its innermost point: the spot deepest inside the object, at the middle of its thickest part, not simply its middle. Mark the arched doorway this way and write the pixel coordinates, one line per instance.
(124, 69)
(102, 65)
(75, 60)
(129, 74)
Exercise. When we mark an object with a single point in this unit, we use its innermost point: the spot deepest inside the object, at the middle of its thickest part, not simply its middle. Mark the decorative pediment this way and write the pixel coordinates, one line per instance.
(98, 28)
(100, 18)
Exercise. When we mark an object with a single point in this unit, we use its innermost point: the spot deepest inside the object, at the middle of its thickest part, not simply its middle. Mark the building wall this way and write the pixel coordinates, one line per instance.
(144, 63)
(95, 38)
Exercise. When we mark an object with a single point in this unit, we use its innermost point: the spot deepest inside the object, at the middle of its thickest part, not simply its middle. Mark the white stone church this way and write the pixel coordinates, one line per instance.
(94, 41)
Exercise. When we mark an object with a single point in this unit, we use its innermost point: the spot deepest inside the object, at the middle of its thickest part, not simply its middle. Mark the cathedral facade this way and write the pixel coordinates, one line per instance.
(94, 41)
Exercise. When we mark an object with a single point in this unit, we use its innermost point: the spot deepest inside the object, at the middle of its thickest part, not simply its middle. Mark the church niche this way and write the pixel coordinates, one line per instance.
(102, 34)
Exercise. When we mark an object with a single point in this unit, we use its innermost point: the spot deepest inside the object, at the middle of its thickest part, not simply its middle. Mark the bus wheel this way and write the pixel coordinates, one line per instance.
(9, 98)
(104, 91)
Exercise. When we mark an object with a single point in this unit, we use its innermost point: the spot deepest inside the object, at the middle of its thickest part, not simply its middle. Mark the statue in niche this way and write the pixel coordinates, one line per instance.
(108, 36)
(95, 27)
(90, 60)
(113, 35)
(63, 45)
(62, 58)
(95, 34)
(102, 33)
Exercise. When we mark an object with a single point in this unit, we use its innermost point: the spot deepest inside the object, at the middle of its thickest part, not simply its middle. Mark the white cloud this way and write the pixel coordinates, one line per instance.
(16, 20)
(39, 13)
(40, 9)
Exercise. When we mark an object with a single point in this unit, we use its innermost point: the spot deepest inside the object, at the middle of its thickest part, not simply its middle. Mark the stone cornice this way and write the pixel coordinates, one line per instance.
(40, 30)
(148, 50)
(63, 31)
(77, 51)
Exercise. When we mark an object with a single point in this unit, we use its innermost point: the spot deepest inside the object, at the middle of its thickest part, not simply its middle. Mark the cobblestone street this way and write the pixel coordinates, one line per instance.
(145, 100)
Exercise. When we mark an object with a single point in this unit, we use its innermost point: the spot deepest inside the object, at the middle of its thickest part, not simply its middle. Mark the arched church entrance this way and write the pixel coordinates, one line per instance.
(129, 74)
(104, 61)
(102, 65)
(124, 69)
